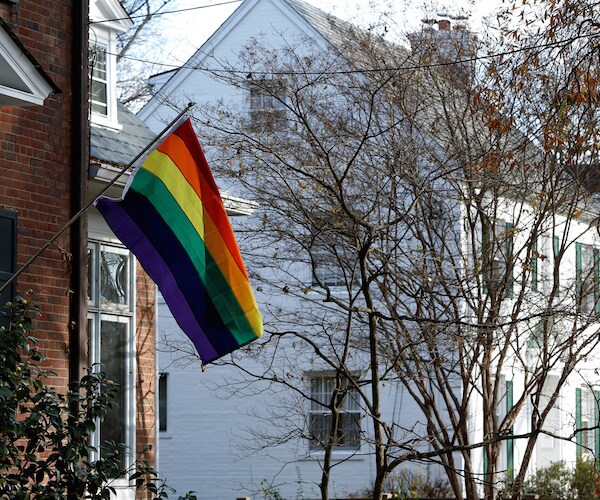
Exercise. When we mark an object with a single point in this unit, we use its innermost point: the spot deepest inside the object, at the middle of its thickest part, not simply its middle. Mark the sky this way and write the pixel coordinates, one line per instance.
(194, 26)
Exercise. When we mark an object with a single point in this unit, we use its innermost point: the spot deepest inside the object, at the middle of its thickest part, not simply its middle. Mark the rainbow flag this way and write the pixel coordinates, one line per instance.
(172, 218)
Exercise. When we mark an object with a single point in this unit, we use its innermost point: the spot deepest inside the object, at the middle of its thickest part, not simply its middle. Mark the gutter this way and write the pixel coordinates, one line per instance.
(78, 360)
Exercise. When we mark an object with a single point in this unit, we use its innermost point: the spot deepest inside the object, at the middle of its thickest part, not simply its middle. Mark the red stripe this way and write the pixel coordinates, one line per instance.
(185, 151)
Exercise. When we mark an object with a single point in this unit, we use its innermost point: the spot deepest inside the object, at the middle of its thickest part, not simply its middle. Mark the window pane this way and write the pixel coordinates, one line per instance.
(114, 276)
(348, 434)
(113, 356)
(99, 97)
(320, 418)
(162, 401)
(7, 248)
(99, 87)
(267, 103)
(99, 63)
(91, 267)
(8, 256)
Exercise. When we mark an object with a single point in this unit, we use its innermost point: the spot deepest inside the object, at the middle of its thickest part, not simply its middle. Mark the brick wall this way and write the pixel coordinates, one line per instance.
(35, 171)
(145, 368)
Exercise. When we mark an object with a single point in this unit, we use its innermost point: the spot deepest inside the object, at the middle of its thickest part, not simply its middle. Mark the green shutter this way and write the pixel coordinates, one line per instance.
(597, 280)
(556, 241)
(596, 426)
(534, 267)
(510, 443)
(485, 462)
(578, 424)
(8, 257)
(578, 273)
(509, 259)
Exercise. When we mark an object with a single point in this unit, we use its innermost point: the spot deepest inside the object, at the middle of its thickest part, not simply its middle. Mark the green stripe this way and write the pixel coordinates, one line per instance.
(217, 287)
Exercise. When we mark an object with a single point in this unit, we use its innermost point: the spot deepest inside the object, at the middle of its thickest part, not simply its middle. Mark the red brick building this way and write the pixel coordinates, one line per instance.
(97, 313)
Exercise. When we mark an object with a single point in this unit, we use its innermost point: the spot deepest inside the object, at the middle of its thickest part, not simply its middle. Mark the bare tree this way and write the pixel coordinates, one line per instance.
(439, 207)
(134, 47)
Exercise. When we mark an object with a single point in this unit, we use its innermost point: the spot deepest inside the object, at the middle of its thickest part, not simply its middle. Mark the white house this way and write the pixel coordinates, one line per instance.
(533, 274)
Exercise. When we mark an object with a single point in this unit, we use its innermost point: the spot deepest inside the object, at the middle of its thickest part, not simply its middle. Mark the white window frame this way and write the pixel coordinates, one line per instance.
(22, 84)
(588, 435)
(587, 279)
(98, 57)
(317, 408)
(124, 314)
(106, 41)
(267, 98)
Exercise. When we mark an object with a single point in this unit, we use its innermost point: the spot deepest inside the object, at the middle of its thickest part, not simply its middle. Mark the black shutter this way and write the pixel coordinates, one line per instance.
(8, 253)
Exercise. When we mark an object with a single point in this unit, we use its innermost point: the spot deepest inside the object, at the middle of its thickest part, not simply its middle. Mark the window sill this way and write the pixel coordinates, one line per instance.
(105, 122)
(338, 455)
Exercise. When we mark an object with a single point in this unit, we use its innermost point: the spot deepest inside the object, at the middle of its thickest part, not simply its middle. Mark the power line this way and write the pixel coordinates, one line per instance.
(139, 16)
(544, 46)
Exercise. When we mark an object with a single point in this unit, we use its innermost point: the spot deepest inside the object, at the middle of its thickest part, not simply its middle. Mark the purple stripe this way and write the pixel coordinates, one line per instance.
(131, 236)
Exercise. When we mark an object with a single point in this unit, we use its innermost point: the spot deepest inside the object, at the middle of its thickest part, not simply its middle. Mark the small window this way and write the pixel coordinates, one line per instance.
(587, 269)
(347, 436)
(267, 103)
(546, 334)
(327, 270)
(587, 420)
(333, 266)
(162, 401)
(8, 253)
(112, 342)
(99, 84)
(497, 257)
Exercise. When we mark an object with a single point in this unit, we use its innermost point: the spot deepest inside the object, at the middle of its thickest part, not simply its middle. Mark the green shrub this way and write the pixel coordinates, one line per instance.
(408, 483)
(558, 481)
(583, 482)
(45, 445)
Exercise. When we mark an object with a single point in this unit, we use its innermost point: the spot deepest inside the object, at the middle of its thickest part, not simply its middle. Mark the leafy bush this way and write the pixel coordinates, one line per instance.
(408, 483)
(558, 481)
(45, 435)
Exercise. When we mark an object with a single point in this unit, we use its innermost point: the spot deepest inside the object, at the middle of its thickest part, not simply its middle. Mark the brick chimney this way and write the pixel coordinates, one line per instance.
(444, 25)
(451, 41)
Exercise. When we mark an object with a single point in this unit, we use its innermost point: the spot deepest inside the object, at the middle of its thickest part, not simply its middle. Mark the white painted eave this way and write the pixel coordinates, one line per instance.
(110, 15)
(22, 81)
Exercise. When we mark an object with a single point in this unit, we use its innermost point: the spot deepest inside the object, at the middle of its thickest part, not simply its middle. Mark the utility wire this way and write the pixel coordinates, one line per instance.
(544, 46)
(140, 16)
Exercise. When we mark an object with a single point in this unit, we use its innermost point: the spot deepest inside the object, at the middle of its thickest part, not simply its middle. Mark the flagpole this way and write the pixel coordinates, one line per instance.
(91, 202)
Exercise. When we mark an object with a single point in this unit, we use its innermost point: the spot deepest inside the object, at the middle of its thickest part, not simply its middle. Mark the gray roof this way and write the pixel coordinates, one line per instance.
(119, 147)
(333, 29)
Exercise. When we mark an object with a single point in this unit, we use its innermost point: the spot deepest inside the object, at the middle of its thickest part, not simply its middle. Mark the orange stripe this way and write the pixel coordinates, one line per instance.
(196, 173)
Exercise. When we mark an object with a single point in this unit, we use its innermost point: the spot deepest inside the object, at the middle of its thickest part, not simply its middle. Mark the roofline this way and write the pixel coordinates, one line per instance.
(213, 40)
(29, 56)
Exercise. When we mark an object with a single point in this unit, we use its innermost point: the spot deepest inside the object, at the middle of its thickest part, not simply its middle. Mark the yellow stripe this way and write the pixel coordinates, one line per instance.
(162, 167)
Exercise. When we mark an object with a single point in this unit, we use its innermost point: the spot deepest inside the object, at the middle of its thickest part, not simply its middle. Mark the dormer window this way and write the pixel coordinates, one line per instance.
(99, 84)
(267, 104)
(108, 18)
(23, 82)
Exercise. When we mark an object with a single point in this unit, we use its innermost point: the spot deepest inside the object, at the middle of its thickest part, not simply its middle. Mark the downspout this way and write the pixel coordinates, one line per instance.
(79, 165)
